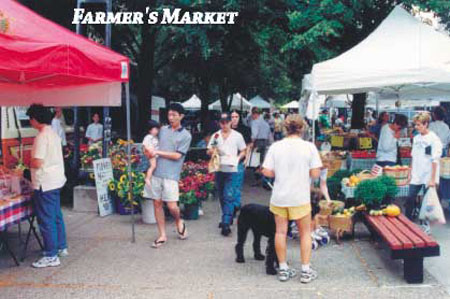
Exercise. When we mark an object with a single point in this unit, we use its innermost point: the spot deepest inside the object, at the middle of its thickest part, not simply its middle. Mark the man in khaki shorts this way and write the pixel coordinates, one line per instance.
(174, 142)
(292, 162)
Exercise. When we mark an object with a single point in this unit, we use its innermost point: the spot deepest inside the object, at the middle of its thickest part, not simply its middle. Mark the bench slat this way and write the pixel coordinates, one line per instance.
(417, 241)
(413, 227)
(407, 244)
(393, 242)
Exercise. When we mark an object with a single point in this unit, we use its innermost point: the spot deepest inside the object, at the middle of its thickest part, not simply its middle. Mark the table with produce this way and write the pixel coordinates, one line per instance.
(365, 159)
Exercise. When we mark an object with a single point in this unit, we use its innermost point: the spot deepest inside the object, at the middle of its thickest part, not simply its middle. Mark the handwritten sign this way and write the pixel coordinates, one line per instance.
(365, 143)
(337, 141)
(103, 175)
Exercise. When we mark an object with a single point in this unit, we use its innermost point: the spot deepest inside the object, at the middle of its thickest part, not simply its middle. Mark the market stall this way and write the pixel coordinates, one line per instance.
(236, 102)
(259, 102)
(194, 103)
(51, 65)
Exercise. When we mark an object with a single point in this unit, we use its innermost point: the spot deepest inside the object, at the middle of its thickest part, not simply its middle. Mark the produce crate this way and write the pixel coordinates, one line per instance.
(400, 175)
(341, 223)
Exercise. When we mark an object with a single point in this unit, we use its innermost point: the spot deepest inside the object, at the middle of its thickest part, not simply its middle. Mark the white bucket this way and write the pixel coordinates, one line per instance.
(148, 211)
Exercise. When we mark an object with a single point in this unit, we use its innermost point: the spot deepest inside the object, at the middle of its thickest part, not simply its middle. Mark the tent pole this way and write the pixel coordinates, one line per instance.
(314, 120)
(130, 193)
(377, 104)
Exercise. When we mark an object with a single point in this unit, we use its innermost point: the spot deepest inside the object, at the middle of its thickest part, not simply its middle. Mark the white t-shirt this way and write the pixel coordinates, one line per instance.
(94, 131)
(150, 141)
(59, 130)
(425, 150)
(228, 149)
(441, 129)
(47, 147)
(291, 159)
(387, 145)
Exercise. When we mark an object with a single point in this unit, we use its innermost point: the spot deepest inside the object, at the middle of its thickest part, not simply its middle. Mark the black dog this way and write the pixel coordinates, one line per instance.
(261, 221)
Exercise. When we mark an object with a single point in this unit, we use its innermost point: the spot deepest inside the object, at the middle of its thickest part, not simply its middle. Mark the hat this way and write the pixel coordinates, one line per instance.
(225, 117)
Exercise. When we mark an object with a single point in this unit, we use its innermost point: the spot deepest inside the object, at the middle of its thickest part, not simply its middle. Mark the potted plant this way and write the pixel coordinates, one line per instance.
(119, 188)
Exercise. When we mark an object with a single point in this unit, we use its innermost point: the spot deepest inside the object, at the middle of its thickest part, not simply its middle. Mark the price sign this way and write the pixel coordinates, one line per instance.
(365, 143)
(103, 175)
(337, 141)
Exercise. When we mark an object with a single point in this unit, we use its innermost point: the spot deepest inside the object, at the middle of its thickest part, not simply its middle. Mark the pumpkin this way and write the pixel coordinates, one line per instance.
(392, 211)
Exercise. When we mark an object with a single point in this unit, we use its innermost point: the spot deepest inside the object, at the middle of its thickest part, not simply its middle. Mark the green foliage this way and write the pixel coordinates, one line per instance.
(371, 192)
(342, 173)
(391, 186)
(334, 188)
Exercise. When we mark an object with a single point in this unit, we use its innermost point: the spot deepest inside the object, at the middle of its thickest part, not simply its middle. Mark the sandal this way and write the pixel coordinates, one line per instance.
(183, 234)
(158, 243)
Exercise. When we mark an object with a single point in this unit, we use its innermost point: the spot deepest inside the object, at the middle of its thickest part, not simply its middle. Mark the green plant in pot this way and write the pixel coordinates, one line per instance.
(371, 193)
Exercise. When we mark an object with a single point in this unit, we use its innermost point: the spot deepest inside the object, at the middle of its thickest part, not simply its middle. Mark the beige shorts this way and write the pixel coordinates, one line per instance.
(162, 189)
(291, 213)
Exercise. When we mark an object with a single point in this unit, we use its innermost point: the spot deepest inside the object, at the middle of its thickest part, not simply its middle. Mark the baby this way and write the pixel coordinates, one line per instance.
(150, 143)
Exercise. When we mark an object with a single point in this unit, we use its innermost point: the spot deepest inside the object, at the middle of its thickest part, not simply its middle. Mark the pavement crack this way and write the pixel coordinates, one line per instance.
(366, 266)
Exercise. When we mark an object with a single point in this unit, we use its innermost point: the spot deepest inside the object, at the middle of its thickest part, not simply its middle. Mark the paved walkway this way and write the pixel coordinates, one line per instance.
(103, 263)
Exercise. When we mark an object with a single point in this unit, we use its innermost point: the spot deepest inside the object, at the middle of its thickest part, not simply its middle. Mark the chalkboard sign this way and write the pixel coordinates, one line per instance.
(103, 175)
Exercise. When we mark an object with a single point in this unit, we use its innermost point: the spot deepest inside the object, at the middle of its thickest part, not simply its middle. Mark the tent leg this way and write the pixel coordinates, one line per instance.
(314, 122)
(130, 194)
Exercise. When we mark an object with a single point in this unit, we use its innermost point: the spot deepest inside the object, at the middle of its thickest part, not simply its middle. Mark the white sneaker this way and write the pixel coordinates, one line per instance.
(425, 226)
(47, 261)
(63, 252)
(200, 212)
(308, 276)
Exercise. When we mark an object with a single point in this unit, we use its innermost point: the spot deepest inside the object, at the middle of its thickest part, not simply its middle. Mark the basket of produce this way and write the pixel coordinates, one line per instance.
(445, 168)
(365, 175)
(341, 222)
(398, 173)
(328, 209)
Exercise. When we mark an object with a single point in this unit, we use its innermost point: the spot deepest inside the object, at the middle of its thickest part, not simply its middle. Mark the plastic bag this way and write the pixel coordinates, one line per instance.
(431, 209)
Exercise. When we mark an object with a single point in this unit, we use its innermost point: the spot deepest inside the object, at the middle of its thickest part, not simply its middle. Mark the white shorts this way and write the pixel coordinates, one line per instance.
(162, 189)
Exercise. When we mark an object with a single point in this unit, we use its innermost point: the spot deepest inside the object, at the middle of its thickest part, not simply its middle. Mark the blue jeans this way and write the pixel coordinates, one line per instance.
(224, 186)
(411, 202)
(50, 219)
(237, 182)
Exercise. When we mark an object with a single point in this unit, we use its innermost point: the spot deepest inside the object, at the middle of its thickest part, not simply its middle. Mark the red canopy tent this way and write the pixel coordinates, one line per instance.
(43, 62)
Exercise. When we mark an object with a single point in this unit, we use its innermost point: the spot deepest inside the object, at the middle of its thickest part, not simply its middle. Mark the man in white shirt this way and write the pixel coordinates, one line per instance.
(439, 127)
(426, 153)
(231, 147)
(94, 131)
(47, 177)
(57, 126)
(387, 144)
(292, 162)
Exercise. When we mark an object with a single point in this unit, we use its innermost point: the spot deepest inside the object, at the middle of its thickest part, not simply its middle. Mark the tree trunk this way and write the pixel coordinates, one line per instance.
(205, 95)
(146, 67)
(358, 107)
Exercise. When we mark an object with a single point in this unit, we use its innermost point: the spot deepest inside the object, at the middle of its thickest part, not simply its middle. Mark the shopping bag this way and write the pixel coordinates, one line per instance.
(214, 162)
(431, 209)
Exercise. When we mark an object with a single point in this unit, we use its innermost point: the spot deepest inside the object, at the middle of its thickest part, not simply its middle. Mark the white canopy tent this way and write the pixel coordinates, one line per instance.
(238, 102)
(291, 105)
(402, 56)
(259, 102)
(194, 103)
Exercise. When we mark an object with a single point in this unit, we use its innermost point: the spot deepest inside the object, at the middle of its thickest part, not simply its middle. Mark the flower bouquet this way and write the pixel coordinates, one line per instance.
(214, 162)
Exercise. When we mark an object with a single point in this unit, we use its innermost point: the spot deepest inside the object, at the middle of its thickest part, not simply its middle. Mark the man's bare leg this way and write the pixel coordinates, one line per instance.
(160, 219)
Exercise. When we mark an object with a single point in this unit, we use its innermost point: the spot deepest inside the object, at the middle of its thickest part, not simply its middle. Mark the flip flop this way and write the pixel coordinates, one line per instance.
(183, 234)
(158, 243)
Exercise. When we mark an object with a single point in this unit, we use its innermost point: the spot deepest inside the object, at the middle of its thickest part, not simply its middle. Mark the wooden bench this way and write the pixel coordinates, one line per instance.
(404, 240)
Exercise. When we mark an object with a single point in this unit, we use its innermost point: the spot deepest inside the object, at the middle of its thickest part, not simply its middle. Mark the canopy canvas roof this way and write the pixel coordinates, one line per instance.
(238, 102)
(194, 103)
(403, 55)
(259, 102)
(291, 105)
(49, 64)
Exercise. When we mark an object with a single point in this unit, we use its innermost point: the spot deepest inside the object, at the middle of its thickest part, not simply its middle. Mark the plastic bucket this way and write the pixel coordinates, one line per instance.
(148, 211)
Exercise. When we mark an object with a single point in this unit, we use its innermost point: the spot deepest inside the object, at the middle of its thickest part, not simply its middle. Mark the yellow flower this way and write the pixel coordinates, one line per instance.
(92, 176)
(112, 186)
(123, 178)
